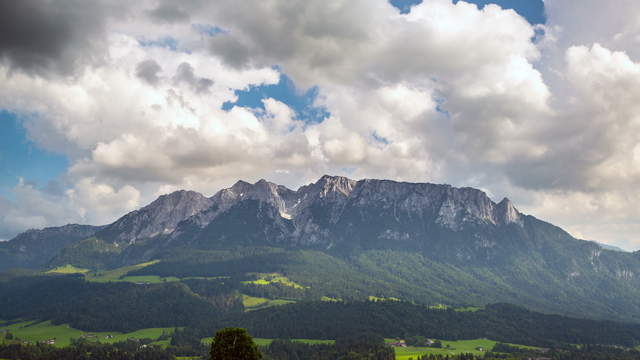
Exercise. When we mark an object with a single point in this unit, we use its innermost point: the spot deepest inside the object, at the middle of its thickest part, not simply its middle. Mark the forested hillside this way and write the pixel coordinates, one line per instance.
(125, 307)
(339, 238)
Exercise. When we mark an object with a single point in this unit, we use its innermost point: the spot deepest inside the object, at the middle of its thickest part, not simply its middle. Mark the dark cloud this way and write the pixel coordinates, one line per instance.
(185, 74)
(148, 70)
(168, 13)
(233, 52)
(51, 36)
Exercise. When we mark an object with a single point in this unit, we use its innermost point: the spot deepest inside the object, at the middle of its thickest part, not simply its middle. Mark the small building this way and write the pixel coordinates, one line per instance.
(399, 343)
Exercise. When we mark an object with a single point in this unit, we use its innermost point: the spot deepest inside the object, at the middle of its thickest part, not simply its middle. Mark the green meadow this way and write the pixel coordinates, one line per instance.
(34, 331)
(67, 269)
(254, 303)
(120, 275)
(115, 275)
(448, 348)
(269, 278)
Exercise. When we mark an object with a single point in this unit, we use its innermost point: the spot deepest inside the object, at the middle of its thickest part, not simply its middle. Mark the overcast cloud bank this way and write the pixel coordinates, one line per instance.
(132, 94)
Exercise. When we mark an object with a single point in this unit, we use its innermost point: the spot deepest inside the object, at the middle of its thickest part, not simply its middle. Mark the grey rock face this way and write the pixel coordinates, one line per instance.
(333, 212)
(159, 217)
(336, 210)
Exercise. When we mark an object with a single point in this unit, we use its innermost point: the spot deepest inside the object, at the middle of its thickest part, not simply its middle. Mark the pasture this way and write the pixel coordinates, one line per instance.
(67, 269)
(34, 331)
(254, 303)
(448, 348)
(268, 278)
(117, 274)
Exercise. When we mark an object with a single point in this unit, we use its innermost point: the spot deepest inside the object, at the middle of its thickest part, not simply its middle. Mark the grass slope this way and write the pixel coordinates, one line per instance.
(121, 275)
(67, 269)
(268, 278)
(255, 303)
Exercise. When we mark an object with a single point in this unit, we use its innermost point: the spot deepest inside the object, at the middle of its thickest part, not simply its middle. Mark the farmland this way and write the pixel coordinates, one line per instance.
(448, 348)
(34, 331)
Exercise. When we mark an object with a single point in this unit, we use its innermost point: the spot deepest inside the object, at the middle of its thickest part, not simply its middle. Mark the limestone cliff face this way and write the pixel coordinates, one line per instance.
(160, 217)
(334, 212)
(339, 212)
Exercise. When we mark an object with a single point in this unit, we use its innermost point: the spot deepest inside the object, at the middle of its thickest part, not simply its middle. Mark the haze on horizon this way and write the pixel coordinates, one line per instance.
(105, 105)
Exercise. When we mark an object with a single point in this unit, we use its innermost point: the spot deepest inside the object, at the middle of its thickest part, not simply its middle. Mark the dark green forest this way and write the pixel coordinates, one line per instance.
(103, 307)
(127, 306)
(501, 322)
(355, 347)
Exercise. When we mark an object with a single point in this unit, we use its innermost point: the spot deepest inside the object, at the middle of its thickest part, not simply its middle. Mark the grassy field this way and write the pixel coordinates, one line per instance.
(254, 303)
(448, 348)
(116, 274)
(330, 299)
(67, 269)
(468, 309)
(268, 278)
(377, 299)
(438, 307)
(33, 331)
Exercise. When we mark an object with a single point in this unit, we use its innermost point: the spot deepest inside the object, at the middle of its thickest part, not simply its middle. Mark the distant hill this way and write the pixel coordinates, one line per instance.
(344, 239)
(611, 247)
(36, 248)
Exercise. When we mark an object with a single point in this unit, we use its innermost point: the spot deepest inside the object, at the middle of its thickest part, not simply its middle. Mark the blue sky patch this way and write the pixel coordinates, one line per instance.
(284, 91)
(166, 42)
(19, 157)
(532, 10)
(404, 5)
(209, 30)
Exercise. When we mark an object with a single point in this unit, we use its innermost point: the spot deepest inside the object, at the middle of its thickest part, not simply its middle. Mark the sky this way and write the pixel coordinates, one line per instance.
(106, 105)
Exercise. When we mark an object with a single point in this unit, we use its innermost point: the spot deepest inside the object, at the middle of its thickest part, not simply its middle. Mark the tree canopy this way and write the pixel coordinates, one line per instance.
(234, 344)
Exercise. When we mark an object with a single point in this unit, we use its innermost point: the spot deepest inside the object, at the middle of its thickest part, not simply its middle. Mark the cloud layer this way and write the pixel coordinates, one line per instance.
(133, 95)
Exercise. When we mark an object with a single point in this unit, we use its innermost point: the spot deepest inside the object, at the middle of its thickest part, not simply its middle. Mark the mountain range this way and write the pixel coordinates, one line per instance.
(339, 238)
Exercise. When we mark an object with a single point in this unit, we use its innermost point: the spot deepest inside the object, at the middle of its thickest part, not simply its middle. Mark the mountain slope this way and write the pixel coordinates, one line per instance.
(35, 248)
(342, 238)
(159, 217)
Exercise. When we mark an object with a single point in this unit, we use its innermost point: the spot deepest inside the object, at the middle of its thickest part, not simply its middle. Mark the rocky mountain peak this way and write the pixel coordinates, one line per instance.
(469, 205)
(329, 209)
(240, 187)
(176, 198)
(335, 184)
(159, 217)
(506, 213)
